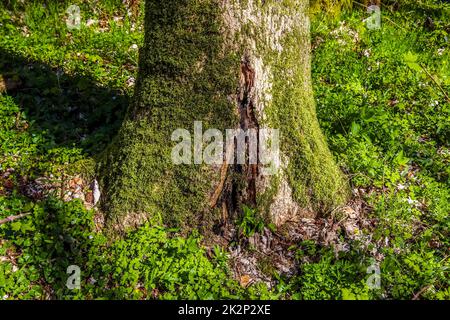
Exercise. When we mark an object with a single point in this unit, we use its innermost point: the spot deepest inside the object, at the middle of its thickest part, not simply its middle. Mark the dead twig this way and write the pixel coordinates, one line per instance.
(12, 218)
(418, 294)
(435, 82)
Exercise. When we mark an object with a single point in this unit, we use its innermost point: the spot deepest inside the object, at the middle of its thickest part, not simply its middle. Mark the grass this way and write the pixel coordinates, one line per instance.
(381, 102)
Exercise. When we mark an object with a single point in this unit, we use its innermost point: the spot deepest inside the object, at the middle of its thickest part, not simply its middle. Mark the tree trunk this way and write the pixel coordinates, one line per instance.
(229, 64)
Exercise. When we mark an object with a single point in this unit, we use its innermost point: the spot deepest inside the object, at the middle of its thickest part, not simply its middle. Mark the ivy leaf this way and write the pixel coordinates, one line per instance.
(355, 128)
(411, 61)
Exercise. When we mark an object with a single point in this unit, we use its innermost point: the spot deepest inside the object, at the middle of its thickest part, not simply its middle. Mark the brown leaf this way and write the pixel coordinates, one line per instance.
(89, 198)
(155, 293)
(9, 83)
(8, 184)
(2, 84)
(245, 280)
(77, 181)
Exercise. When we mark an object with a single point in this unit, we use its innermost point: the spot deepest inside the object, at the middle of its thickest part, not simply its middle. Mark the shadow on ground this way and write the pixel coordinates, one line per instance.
(73, 110)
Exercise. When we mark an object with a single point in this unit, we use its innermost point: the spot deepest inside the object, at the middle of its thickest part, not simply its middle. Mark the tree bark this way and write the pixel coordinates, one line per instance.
(229, 64)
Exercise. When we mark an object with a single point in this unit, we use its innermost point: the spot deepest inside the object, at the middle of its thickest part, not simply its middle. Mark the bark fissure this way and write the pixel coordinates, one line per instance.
(235, 193)
(231, 192)
(248, 121)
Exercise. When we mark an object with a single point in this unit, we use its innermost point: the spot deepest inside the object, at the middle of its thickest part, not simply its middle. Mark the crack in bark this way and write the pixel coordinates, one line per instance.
(248, 121)
(230, 192)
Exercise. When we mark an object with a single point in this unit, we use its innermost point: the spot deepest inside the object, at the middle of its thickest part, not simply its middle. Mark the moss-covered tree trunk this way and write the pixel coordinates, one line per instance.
(229, 64)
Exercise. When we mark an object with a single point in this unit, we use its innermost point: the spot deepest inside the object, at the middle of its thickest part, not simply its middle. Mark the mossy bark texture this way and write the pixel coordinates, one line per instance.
(229, 64)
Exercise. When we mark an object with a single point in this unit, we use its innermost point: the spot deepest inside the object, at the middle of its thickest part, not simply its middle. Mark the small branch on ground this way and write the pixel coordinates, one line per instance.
(12, 218)
(435, 82)
(418, 294)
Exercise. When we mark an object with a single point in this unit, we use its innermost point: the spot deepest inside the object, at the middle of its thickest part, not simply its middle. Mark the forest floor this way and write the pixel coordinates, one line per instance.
(383, 103)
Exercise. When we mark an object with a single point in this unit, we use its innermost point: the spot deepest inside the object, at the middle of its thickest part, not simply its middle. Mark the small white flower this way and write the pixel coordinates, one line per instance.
(96, 192)
(434, 103)
(90, 22)
(401, 187)
(130, 82)
(443, 151)
(440, 51)
(134, 46)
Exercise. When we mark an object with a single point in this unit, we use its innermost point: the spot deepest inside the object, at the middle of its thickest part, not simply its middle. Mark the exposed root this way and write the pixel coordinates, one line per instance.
(256, 258)
(223, 175)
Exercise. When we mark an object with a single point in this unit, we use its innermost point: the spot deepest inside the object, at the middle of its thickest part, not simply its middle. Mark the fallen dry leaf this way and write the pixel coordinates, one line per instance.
(2, 84)
(245, 281)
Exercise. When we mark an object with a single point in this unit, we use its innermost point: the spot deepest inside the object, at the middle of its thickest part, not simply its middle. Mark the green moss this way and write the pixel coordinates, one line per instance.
(330, 7)
(316, 180)
(265, 199)
(185, 76)
(85, 168)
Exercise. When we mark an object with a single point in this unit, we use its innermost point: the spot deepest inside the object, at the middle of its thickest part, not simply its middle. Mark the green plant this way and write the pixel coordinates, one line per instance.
(385, 118)
(382, 102)
(329, 276)
(250, 222)
(149, 263)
